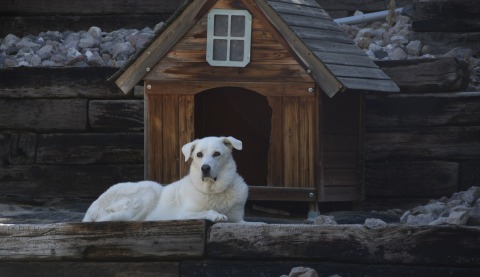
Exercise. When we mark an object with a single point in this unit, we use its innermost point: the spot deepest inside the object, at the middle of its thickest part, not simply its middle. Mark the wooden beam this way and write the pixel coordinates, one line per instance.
(278, 193)
(103, 241)
(162, 44)
(427, 75)
(324, 78)
(393, 244)
(446, 16)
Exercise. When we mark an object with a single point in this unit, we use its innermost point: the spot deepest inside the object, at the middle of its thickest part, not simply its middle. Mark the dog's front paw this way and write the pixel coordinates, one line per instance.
(216, 217)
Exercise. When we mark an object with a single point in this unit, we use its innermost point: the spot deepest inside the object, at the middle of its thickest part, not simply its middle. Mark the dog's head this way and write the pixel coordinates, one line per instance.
(212, 158)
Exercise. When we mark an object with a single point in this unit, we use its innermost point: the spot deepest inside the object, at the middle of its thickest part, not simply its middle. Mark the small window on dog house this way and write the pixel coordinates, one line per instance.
(228, 37)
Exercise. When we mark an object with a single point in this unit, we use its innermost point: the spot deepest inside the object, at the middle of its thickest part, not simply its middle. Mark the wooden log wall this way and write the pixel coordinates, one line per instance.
(422, 145)
(65, 132)
(198, 248)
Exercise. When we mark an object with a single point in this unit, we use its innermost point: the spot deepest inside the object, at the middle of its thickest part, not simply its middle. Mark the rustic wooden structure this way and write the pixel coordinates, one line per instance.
(196, 248)
(295, 105)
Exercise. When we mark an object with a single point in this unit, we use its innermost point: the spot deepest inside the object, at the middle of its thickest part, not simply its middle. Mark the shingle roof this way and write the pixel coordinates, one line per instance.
(335, 62)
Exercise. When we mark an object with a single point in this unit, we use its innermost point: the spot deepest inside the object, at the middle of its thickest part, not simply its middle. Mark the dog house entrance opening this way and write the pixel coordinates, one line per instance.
(243, 114)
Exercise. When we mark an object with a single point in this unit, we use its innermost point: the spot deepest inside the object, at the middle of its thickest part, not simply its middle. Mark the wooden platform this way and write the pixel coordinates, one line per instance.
(198, 248)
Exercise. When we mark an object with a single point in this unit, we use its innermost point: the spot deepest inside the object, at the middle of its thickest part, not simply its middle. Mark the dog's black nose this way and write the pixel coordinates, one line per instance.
(205, 168)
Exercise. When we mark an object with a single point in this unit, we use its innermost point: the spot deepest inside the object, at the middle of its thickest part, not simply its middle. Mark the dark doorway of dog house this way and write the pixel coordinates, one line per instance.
(243, 114)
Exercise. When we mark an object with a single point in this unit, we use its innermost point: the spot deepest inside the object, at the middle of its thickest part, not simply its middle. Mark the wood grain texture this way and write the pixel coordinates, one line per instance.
(411, 178)
(116, 115)
(81, 269)
(66, 82)
(103, 241)
(427, 75)
(44, 114)
(90, 148)
(397, 245)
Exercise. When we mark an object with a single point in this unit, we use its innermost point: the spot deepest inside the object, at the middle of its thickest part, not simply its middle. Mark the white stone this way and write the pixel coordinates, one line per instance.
(414, 47)
(373, 223)
(324, 220)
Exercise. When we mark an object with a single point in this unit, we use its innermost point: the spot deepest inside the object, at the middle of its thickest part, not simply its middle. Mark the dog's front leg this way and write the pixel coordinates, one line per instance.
(209, 215)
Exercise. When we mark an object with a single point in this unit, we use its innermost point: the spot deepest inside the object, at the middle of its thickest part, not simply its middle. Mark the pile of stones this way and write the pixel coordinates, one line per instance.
(80, 49)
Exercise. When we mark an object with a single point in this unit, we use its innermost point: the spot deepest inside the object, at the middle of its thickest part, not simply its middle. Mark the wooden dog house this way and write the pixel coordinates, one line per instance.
(279, 75)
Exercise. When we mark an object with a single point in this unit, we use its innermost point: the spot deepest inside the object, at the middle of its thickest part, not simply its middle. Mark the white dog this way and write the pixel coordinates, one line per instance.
(212, 190)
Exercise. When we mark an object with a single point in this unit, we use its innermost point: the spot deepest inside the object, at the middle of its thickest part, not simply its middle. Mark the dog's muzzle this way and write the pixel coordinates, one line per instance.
(206, 173)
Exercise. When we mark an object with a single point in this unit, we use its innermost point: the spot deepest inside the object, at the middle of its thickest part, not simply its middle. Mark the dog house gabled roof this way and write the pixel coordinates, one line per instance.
(316, 41)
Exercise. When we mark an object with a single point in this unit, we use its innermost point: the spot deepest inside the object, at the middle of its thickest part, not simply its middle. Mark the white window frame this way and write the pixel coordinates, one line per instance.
(246, 38)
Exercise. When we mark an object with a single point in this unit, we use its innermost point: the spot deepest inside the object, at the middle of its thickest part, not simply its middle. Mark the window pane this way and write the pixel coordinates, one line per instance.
(236, 50)
(238, 26)
(221, 25)
(220, 49)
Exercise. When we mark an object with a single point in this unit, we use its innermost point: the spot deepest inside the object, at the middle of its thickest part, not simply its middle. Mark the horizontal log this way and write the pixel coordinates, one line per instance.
(393, 245)
(67, 82)
(18, 148)
(364, 5)
(83, 7)
(283, 267)
(411, 179)
(427, 75)
(103, 241)
(442, 42)
(100, 148)
(80, 269)
(424, 143)
(417, 111)
(44, 114)
(446, 16)
(116, 115)
(281, 193)
(68, 181)
(21, 25)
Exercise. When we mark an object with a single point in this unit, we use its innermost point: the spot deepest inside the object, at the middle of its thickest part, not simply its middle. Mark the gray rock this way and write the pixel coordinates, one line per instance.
(9, 44)
(436, 209)
(36, 60)
(380, 54)
(74, 56)
(122, 50)
(474, 216)
(324, 220)
(139, 39)
(96, 32)
(399, 40)
(302, 272)
(45, 52)
(87, 41)
(373, 223)
(471, 195)
(93, 58)
(26, 44)
(398, 54)
(414, 47)
(72, 40)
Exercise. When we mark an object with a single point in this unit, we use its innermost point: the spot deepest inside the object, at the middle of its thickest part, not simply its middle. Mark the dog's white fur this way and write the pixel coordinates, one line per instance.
(217, 194)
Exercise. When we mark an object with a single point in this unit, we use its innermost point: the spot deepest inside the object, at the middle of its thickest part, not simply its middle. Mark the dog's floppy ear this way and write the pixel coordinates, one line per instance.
(232, 142)
(187, 149)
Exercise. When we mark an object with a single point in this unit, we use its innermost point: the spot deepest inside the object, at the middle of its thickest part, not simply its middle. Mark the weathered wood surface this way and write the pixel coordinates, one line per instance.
(103, 241)
(446, 16)
(424, 143)
(44, 114)
(18, 148)
(427, 75)
(82, 269)
(47, 181)
(355, 5)
(93, 148)
(69, 82)
(25, 17)
(410, 111)
(411, 178)
(443, 42)
(283, 267)
(86, 7)
(395, 245)
(116, 115)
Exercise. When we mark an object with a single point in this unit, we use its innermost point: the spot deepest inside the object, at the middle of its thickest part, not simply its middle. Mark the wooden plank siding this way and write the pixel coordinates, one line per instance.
(342, 123)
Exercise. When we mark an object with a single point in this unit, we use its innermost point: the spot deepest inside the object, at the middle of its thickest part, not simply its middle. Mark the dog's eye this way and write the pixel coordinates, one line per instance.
(199, 154)
(216, 154)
